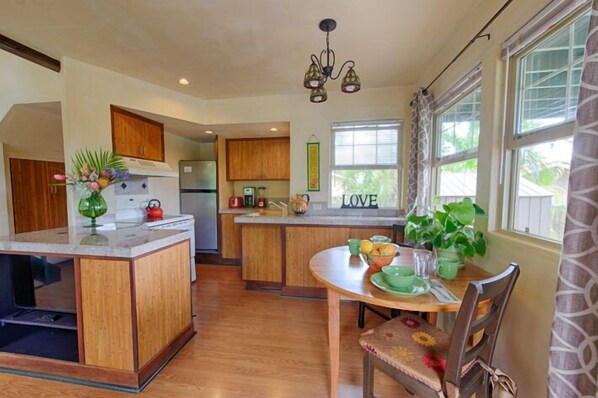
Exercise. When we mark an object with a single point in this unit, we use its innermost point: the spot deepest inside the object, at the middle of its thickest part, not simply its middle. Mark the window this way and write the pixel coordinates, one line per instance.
(366, 160)
(457, 131)
(546, 77)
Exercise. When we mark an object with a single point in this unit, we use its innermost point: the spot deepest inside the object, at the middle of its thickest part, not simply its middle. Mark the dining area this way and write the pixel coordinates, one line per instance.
(409, 347)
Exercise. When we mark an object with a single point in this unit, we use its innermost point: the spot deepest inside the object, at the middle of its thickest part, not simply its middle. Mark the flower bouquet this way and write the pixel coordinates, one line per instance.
(91, 173)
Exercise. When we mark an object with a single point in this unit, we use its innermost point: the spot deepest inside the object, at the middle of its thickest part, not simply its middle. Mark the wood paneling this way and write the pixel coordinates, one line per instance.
(37, 204)
(231, 236)
(163, 299)
(262, 252)
(302, 242)
(258, 159)
(136, 136)
(107, 313)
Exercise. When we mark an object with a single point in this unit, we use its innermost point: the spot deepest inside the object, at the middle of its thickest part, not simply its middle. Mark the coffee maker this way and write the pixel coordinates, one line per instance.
(249, 196)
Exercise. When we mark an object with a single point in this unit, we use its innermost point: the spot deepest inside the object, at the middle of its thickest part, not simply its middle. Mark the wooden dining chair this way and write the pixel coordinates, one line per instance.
(431, 363)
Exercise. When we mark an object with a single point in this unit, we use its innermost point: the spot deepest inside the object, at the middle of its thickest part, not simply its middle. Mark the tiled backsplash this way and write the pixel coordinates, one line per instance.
(133, 186)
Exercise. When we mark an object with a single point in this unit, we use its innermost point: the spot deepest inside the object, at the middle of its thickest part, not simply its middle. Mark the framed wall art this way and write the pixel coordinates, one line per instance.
(313, 166)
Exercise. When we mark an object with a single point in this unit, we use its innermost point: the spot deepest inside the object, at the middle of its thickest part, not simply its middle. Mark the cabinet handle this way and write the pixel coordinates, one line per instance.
(144, 151)
(288, 236)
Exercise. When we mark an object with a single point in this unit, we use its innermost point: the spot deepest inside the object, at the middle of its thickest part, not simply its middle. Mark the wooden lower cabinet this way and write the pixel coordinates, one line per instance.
(230, 238)
(303, 242)
(262, 253)
(132, 316)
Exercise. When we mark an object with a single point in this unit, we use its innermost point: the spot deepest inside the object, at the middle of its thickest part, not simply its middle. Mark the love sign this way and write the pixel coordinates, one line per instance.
(361, 201)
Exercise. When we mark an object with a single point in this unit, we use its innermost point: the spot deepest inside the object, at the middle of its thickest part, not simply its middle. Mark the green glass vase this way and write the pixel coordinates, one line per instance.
(93, 207)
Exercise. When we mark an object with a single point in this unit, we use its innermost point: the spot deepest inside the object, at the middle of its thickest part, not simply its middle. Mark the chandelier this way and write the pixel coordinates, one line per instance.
(317, 74)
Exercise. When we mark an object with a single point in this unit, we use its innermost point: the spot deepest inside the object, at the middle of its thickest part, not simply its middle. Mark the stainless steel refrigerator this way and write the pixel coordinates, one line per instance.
(200, 198)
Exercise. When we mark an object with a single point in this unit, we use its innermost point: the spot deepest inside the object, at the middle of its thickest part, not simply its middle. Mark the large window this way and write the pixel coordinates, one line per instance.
(544, 91)
(366, 160)
(457, 131)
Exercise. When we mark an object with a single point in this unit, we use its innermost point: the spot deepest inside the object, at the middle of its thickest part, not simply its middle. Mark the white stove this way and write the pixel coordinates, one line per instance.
(183, 222)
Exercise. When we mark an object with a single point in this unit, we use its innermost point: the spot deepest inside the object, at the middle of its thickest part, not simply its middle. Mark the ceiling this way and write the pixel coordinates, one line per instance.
(238, 48)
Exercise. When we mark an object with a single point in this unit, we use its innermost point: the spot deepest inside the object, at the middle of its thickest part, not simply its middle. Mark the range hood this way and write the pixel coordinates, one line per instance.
(149, 168)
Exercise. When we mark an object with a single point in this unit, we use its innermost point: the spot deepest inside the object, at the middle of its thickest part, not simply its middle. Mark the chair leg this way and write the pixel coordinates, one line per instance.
(368, 376)
(361, 315)
(394, 312)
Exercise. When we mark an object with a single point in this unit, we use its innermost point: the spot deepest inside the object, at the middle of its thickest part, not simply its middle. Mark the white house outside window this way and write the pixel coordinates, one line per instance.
(366, 160)
(457, 131)
(543, 98)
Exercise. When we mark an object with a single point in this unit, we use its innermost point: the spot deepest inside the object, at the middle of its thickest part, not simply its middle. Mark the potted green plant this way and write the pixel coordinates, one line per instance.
(450, 231)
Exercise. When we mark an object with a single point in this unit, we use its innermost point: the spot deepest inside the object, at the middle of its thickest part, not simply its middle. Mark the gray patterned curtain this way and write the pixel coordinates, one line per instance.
(418, 193)
(573, 368)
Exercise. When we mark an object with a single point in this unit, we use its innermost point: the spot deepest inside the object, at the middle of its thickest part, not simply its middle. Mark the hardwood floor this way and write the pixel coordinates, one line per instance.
(248, 344)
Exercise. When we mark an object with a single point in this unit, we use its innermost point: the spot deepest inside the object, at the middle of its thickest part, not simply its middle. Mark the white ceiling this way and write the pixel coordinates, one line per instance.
(238, 48)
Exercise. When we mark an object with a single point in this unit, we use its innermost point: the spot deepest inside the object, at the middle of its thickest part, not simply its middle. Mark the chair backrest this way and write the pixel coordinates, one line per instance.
(398, 235)
(497, 291)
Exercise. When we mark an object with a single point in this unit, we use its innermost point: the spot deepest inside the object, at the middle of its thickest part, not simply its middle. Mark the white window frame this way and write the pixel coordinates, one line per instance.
(467, 85)
(515, 49)
(367, 125)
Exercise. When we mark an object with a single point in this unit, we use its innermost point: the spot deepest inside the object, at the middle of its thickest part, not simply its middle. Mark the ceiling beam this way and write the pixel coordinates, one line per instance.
(29, 53)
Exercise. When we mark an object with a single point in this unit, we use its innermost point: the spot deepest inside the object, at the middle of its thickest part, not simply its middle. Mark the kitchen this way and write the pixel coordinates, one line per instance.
(85, 91)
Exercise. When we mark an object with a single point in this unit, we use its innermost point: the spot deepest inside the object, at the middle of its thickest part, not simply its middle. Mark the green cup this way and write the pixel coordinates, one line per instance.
(447, 269)
(354, 246)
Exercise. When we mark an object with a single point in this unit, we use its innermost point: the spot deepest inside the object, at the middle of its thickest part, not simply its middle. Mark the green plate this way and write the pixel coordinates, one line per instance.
(420, 286)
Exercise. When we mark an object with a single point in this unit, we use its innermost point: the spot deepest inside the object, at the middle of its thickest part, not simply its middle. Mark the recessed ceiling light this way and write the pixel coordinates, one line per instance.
(184, 81)
(273, 129)
(209, 132)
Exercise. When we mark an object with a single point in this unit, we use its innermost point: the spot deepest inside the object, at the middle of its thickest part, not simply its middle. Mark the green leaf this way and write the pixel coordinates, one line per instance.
(416, 219)
(464, 212)
(480, 247)
(478, 210)
(450, 226)
(468, 251)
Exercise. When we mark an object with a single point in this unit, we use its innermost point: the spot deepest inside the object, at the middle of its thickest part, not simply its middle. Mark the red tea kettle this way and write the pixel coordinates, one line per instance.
(153, 210)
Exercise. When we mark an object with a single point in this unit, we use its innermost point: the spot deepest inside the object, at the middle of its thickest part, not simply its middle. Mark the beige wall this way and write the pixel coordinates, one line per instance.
(21, 82)
(306, 119)
(522, 349)
(90, 90)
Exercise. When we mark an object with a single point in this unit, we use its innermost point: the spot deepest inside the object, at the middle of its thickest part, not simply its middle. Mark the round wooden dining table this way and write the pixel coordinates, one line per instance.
(346, 275)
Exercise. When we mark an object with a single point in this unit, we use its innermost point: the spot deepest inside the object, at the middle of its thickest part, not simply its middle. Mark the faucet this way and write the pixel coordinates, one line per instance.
(283, 208)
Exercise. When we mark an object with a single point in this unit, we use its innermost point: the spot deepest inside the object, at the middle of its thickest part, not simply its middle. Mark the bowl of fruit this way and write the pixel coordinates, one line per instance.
(377, 255)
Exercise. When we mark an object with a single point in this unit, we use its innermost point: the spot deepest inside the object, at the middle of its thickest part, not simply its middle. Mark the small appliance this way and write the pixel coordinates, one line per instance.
(249, 197)
(261, 200)
(235, 202)
(153, 211)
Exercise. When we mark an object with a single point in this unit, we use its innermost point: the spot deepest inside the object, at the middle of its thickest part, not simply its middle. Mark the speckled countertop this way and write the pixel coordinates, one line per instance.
(276, 218)
(237, 211)
(126, 241)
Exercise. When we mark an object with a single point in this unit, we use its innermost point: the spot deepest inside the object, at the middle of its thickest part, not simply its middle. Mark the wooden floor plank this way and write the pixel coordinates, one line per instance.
(249, 344)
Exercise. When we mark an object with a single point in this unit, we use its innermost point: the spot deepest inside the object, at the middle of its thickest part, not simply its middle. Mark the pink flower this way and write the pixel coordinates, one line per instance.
(410, 323)
(433, 362)
(59, 177)
(94, 186)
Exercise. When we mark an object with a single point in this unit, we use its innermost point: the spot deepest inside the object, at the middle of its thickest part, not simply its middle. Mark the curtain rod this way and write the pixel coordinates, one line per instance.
(478, 35)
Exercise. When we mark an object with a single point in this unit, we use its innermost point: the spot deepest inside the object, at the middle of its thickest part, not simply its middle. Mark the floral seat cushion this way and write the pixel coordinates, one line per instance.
(411, 345)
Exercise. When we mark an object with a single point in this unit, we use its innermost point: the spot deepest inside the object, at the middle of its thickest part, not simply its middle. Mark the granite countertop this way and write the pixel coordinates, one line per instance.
(275, 217)
(126, 241)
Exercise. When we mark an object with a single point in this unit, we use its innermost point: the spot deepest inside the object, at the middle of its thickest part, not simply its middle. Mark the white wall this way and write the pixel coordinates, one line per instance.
(522, 349)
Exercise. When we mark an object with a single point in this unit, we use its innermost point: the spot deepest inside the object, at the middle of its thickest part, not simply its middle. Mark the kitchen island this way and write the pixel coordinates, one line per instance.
(276, 249)
(104, 308)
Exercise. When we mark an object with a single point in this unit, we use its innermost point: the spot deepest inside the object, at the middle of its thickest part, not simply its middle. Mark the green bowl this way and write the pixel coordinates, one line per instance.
(399, 276)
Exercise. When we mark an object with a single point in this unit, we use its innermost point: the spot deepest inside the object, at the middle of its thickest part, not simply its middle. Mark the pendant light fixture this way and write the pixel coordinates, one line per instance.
(318, 73)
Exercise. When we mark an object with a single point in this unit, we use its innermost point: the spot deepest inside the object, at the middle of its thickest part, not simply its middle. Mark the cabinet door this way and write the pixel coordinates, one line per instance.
(262, 252)
(231, 236)
(36, 203)
(238, 159)
(136, 136)
(276, 162)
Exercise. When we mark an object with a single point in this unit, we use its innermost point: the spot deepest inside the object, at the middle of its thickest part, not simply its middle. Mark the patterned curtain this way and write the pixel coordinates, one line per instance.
(573, 368)
(418, 193)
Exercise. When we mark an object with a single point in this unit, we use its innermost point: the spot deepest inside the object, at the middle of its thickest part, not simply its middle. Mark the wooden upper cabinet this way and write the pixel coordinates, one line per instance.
(136, 136)
(258, 159)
